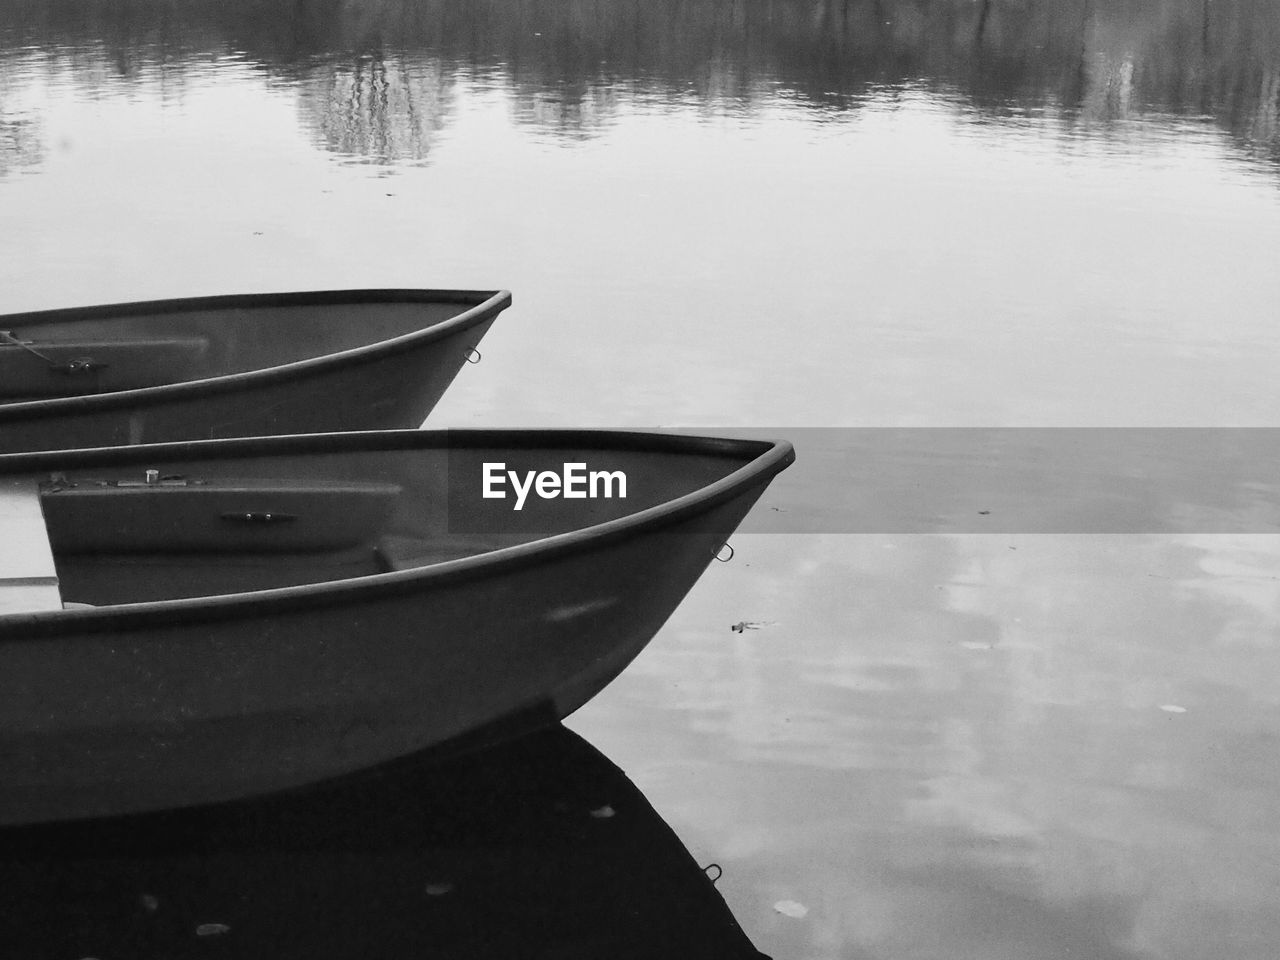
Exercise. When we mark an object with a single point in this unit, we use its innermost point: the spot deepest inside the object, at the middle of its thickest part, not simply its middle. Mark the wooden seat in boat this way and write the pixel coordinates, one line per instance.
(28, 578)
(179, 515)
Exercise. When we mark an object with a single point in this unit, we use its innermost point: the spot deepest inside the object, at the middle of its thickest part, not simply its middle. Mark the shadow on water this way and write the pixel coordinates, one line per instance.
(379, 73)
(539, 847)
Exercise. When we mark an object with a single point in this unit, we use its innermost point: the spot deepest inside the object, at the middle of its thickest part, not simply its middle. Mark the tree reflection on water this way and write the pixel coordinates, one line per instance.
(21, 145)
(377, 108)
(374, 73)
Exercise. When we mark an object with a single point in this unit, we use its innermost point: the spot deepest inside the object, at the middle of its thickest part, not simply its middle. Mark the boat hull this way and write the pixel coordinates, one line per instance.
(387, 384)
(101, 717)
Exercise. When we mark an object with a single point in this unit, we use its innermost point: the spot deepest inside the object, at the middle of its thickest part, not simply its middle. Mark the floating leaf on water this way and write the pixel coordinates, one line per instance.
(1172, 708)
(438, 889)
(603, 813)
(789, 908)
(212, 929)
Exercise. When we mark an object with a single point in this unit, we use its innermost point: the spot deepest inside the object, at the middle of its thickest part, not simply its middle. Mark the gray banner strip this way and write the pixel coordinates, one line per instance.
(1022, 480)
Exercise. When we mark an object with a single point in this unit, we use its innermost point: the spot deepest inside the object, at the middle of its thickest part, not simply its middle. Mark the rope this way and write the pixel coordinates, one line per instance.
(8, 337)
(77, 365)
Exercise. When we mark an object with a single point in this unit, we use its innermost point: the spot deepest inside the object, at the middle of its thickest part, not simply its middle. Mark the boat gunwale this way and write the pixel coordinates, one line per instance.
(766, 459)
(492, 303)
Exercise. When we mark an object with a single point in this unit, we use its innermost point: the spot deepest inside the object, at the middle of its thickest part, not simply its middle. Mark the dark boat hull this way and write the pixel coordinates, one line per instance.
(389, 378)
(156, 705)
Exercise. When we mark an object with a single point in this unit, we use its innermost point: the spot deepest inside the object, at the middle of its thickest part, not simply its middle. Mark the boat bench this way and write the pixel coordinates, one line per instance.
(191, 516)
(28, 578)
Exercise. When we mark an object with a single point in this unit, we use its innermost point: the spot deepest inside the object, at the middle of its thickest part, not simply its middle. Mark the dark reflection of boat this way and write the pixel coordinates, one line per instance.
(255, 615)
(248, 365)
(540, 847)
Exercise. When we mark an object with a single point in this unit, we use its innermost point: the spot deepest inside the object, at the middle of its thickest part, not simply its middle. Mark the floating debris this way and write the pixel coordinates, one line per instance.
(789, 908)
(1172, 708)
(603, 813)
(438, 889)
(212, 929)
(742, 625)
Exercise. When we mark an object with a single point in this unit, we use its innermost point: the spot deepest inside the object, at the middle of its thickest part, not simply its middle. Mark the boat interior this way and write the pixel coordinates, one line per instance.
(133, 532)
(61, 354)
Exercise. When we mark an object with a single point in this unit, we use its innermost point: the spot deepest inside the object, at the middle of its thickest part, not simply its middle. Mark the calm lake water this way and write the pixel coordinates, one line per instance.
(898, 735)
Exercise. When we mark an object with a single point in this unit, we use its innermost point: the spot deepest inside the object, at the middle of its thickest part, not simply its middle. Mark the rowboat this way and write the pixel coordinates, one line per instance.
(538, 847)
(234, 366)
(194, 622)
